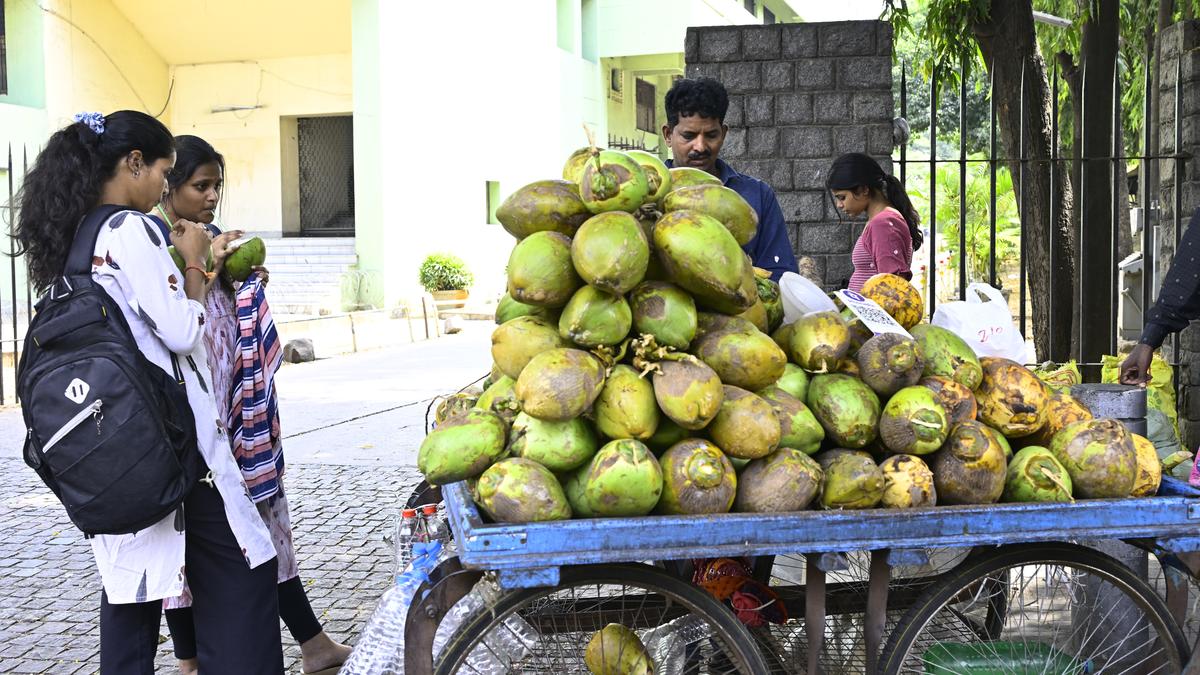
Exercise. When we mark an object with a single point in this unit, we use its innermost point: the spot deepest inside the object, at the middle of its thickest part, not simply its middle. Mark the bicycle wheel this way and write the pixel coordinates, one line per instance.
(843, 647)
(546, 630)
(1068, 609)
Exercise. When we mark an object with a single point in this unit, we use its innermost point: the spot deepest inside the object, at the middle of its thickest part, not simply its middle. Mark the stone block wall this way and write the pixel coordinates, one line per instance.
(1181, 49)
(799, 96)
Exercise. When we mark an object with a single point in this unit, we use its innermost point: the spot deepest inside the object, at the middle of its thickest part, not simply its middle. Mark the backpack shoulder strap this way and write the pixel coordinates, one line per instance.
(83, 247)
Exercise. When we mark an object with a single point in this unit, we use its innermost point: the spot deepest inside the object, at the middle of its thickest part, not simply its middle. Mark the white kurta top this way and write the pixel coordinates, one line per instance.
(132, 264)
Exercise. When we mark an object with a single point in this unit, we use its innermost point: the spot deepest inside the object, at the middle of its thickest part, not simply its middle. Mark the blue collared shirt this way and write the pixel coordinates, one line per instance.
(770, 248)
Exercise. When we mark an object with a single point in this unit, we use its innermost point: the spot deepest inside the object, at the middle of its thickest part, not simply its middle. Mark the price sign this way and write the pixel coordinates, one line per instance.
(870, 313)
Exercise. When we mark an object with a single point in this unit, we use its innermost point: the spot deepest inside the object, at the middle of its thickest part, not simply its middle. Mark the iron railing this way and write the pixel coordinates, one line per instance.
(1149, 185)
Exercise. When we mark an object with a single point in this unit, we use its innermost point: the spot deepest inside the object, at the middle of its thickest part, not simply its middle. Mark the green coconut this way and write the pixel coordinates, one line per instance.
(1012, 399)
(1034, 475)
(685, 176)
(463, 447)
(846, 408)
(958, 401)
(611, 252)
(573, 168)
(573, 483)
(626, 407)
(664, 311)
(613, 181)
(540, 271)
(819, 342)
(746, 426)
(747, 359)
(697, 479)
(658, 176)
(517, 490)
(890, 362)
(247, 254)
(515, 342)
(704, 259)
(721, 203)
(794, 381)
(907, 483)
(559, 384)
(623, 479)
(667, 434)
(971, 466)
(913, 422)
(616, 650)
(1100, 456)
(543, 206)
(595, 318)
(508, 309)
(852, 481)
(785, 480)
(799, 428)
(558, 446)
(501, 398)
(948, 355)
(689, 392)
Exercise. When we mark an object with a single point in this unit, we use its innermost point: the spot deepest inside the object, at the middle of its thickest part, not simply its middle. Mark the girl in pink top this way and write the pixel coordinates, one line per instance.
(859, 185)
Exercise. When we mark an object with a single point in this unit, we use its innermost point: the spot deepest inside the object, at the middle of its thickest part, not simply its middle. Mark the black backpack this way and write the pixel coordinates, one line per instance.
(110, 432)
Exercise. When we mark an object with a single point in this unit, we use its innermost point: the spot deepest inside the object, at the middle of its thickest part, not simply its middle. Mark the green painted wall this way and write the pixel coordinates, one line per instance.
(26, 64)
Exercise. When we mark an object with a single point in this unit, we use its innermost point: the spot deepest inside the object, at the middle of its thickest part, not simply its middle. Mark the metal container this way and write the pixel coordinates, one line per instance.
(1124, 403)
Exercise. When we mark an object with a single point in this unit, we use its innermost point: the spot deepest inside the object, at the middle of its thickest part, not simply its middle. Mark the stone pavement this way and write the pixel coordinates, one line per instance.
(352, 425)
(50, 591)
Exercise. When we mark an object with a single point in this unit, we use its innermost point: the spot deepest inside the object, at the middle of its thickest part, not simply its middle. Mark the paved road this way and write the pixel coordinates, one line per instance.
(352, 425)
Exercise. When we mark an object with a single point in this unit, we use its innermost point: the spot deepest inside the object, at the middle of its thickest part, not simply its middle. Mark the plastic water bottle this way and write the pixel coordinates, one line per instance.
(380, 648)
(434, 527)
(406, 530)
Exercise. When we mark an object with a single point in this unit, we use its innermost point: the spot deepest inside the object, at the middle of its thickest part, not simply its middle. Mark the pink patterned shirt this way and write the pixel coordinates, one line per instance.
(885, 246)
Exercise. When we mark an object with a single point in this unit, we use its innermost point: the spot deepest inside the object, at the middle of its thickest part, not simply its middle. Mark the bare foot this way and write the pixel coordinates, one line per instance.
(322, 652)
(189, 666)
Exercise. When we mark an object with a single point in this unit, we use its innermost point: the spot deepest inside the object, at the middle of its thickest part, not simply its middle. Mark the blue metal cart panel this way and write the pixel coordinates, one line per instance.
(1174, 521)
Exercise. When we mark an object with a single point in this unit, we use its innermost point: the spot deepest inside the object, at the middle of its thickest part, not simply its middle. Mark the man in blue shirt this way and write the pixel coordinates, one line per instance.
(695, 130)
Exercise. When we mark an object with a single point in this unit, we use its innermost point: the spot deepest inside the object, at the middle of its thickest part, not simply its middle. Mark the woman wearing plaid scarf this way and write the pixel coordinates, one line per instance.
(241, 343)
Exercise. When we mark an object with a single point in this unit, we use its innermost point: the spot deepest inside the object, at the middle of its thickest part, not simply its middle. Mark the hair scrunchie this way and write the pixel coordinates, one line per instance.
(92, 120)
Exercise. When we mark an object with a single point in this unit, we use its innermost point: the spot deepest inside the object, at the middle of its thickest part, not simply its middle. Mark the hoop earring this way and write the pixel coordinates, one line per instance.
(137, 172)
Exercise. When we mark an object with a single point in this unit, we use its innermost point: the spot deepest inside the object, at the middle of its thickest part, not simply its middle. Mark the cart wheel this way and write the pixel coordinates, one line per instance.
(546, 630)
(423, 493)
(843, 650)
(1067, 609)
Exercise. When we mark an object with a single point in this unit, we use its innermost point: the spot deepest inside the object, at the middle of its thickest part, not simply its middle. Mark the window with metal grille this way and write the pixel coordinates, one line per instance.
(645, 106)
(3, 55)
(326, 158)
(768, 17)
(751, 6)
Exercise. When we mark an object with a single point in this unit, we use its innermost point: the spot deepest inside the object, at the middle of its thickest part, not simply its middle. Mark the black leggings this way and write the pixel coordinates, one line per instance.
(233, 605)
(294, 609)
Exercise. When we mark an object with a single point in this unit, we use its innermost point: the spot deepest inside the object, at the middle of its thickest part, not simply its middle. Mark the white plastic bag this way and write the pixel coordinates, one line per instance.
(985, 323)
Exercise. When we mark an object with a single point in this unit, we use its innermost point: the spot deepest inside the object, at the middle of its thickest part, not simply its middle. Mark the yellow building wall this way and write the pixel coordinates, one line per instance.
(97, 60)
(250, 140)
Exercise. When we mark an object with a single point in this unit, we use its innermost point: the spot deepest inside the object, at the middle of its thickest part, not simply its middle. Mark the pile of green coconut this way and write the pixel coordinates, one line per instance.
(642, 365)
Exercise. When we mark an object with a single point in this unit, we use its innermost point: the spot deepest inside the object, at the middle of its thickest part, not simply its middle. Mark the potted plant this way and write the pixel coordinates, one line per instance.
(447, 278)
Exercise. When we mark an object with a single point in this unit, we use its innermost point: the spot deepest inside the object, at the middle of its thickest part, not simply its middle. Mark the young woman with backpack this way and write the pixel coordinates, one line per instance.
(194, 193)
(122, 160)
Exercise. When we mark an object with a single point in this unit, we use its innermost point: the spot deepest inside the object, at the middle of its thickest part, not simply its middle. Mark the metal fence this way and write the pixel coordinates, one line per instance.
(623, 143)
(16, 296)
(996, 159)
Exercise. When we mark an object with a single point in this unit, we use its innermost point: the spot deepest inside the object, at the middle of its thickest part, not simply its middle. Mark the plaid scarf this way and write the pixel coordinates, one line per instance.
(254, 412)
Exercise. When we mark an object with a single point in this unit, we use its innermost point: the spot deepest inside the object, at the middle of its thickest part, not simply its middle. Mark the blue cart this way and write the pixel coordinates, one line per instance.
(1010, 588)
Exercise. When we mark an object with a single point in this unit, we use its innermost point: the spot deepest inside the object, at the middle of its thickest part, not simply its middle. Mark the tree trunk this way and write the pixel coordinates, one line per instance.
(1097, 243)
(1009, 45)
(1073, 77)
